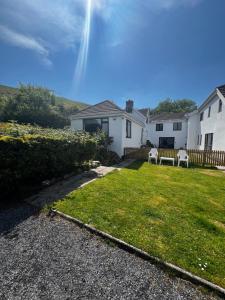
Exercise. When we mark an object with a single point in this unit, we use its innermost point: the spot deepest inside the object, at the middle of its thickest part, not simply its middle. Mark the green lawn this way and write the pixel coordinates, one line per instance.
(176, 214)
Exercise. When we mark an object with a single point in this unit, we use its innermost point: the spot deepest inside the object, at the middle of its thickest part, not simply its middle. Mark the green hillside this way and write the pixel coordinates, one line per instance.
(68, 103)
(7, 90)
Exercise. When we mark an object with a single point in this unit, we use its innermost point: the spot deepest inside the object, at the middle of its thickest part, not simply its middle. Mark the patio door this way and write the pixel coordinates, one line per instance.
(209, 141)
(166, 142)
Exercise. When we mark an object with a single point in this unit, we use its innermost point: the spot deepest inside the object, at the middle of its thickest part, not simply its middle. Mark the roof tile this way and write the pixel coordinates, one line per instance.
(100, 109)
(168, 116)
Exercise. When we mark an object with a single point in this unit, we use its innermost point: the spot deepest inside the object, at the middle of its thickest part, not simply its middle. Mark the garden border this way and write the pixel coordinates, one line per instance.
(144, 255)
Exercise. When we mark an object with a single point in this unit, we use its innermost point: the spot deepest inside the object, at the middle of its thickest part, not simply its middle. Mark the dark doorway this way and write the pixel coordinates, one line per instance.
(209, 141)
(166, 142)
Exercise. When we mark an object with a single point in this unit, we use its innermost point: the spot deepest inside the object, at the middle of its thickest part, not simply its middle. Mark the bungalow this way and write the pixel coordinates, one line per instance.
(125, 126)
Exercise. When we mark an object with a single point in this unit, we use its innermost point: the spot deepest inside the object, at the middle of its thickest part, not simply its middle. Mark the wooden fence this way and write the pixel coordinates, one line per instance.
(198, 157)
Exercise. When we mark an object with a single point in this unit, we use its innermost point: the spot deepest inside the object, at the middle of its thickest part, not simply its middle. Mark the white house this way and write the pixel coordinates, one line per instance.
(206, 126)
(125, 126)
(168, 130)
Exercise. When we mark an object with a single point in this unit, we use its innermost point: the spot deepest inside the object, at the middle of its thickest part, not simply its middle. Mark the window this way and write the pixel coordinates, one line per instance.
(201, 116)
(220, 106)
(177, 126)
(128, 129)
(93, 125)
(209, 111)
(209, 141)
(105, 125)
(198, 140)
(159, 127)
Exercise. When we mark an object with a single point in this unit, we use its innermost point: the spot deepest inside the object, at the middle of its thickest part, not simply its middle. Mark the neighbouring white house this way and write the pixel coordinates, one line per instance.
(126, 126)
(168, 130)
(206, 126)
(203, 129)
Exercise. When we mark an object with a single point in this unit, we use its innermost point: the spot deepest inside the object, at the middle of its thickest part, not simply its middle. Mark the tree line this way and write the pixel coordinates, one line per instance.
(170, 105)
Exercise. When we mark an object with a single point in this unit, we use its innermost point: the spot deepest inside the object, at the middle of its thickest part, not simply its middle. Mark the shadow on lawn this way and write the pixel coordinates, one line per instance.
(136, 165)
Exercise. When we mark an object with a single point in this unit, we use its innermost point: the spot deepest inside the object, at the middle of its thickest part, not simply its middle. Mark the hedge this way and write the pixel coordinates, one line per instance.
(29, 155)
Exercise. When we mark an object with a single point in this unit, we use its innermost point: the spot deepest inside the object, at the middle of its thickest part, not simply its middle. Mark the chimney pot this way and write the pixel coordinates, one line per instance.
(129, 106)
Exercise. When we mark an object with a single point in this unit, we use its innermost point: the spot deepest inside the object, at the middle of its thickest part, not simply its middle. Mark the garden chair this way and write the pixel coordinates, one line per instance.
(183, 156)
(153, 154)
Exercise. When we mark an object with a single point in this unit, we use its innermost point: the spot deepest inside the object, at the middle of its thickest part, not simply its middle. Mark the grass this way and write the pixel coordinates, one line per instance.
(173, 213)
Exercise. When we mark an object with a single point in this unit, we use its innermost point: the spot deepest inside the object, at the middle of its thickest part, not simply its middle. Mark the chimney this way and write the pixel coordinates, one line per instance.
(129, 106)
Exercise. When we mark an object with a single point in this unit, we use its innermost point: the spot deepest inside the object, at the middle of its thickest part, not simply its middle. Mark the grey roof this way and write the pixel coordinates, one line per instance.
(144, 111)
(168, 116)
(104, 108)
(222, 89)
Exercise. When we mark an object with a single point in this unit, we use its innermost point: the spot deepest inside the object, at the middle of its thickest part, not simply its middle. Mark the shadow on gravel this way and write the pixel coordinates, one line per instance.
(14, 215)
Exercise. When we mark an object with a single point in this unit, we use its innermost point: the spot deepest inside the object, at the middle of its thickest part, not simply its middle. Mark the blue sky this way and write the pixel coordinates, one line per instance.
(91, 50)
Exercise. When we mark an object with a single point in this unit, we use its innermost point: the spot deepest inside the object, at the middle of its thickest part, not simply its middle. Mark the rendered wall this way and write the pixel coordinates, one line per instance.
(180, 136)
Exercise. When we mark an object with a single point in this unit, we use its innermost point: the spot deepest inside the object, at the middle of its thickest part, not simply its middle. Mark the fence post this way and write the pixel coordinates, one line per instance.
(204, 158)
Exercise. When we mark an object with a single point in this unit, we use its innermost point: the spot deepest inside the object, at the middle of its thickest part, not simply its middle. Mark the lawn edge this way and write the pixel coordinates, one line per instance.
(179, 272)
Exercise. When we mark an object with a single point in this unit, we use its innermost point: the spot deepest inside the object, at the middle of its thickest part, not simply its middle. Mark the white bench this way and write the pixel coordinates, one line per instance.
(167, 159)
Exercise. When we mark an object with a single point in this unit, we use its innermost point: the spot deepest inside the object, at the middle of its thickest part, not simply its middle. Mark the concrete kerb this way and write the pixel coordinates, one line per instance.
(144, 255)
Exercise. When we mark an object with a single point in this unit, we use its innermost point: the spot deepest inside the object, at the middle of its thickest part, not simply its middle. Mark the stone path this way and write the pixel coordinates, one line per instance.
(60, 189)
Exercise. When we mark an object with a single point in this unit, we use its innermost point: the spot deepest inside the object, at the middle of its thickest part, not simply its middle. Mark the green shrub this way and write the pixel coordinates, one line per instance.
(30, 154)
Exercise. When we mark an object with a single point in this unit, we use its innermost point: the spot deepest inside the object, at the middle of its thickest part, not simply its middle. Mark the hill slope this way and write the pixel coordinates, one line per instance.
(11, 91)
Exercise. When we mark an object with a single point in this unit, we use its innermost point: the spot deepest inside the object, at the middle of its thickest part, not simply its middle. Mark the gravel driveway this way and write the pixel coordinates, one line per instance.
(44, 258)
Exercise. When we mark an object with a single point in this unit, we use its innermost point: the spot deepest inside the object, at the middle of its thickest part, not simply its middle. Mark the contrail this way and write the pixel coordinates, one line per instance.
(84, 47)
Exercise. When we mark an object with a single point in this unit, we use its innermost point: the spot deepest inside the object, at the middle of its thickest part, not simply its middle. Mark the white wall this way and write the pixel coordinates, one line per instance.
(115, 131)
(193, 130)
(180, 136)
(214, 124)
(135, 140)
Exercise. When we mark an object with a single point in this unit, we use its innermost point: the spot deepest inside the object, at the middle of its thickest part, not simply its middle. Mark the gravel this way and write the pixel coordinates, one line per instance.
(51, 258)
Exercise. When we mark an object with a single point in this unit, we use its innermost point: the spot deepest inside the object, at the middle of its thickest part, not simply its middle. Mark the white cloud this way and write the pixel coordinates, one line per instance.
(17, 39)
(43, 26)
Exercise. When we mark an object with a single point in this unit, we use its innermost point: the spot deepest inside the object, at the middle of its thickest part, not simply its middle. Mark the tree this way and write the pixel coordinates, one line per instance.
(180, 105)
(36, 98)
(34, 105)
